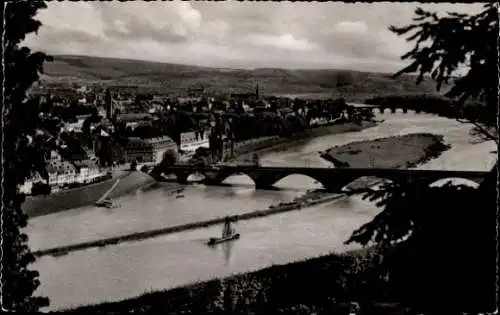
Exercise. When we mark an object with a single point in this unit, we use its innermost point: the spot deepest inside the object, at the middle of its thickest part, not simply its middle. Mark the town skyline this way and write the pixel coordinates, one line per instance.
(234, 35)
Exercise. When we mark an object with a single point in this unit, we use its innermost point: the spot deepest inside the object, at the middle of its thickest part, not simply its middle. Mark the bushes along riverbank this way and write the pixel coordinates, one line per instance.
(272, 290)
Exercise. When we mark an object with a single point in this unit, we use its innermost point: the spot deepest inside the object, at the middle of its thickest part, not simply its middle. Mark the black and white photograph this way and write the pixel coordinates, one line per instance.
(249, 157)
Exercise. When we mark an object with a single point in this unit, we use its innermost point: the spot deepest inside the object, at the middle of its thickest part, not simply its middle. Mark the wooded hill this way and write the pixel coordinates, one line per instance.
(167, 77)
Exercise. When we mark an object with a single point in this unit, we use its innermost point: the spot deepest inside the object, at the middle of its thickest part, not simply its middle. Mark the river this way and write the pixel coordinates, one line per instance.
(130, 269)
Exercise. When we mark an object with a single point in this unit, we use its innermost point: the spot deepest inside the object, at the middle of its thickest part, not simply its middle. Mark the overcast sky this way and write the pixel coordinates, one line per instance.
(234, 34)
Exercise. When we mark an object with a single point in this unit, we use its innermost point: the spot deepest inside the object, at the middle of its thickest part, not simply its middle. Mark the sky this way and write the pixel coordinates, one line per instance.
(234, 34)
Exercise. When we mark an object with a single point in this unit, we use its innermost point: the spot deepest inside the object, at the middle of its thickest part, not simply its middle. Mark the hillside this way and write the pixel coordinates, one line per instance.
(165, 77)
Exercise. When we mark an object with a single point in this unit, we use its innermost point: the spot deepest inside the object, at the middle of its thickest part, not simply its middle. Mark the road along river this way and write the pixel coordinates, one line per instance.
(130, 269)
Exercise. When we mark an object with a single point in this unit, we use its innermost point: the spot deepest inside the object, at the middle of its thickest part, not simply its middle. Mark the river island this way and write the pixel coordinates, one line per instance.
(418, 148)
(405, 151)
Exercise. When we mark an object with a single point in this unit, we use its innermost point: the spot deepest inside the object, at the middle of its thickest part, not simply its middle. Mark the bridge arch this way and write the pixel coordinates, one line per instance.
(305, 181)
(455, 181)
(332, 183)
(206, 176)
(270, 180)
(194, 177)
(261, 180)
(238, 179)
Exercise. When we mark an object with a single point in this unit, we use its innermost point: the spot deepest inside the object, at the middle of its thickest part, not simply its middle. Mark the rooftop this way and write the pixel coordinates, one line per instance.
(148, 142)
(60, 167)
(85, 163)
(159, 139)
(134, 116)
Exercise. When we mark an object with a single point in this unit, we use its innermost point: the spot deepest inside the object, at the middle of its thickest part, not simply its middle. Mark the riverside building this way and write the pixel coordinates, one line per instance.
(63, 174)
(151, 150)
(192, 140)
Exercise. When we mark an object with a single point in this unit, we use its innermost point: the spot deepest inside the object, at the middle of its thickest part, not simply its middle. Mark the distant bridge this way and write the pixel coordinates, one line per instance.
(382, 108)
(332, 179)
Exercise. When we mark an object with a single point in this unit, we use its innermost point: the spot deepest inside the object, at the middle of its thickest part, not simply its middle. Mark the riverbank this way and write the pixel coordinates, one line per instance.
(252, 292)
(62, 200)
(299, 203)
(244, 153)
(404, 151)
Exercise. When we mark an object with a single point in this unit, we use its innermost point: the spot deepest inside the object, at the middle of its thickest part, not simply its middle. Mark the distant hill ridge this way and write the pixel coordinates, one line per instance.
(168, 77)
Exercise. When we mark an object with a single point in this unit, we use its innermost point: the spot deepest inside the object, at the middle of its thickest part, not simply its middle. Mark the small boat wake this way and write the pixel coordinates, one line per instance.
(105, 202)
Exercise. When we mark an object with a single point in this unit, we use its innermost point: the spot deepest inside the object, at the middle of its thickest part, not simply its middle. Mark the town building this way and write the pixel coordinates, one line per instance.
(149, 151)
(192, 140)
(74, 126)
(63, 173)
(88, 171)
(133, 117)
(247, 97)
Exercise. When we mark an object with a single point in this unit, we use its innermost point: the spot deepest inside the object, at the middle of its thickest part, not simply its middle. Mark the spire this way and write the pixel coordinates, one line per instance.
(109, 104)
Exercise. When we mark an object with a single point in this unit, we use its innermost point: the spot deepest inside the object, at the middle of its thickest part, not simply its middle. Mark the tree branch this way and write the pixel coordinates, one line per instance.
(488, 135)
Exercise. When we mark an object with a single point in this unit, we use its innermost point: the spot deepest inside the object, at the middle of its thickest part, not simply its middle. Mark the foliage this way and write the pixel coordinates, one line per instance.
(69, 113)
(40, 188)
(283, 289)
(425, 234)
(169, 158)
(28, 134)
(447, 45)
(133, 165)
(430, 237)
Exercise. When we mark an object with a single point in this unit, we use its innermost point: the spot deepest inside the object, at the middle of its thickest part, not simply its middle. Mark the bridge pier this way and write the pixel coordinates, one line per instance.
(263, 185)
(334, 184)
(214, 181)
(264, 181)
(181, 177)
(216, 177)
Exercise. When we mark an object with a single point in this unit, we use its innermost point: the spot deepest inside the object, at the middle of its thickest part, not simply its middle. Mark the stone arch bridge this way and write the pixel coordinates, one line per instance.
(332, 179)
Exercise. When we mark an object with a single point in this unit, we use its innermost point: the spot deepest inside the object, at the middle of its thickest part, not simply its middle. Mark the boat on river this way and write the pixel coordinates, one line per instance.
(228, 234)
(106, 203)
(218, 240)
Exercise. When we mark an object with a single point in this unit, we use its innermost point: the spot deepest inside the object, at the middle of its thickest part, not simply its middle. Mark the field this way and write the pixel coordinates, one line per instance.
(166, 77)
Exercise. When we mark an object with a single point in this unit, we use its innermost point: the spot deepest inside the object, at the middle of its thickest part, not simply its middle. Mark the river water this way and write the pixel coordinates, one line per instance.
(130, 269)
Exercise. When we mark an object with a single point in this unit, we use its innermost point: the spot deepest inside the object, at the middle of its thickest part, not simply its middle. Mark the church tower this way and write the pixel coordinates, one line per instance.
(108, 101)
